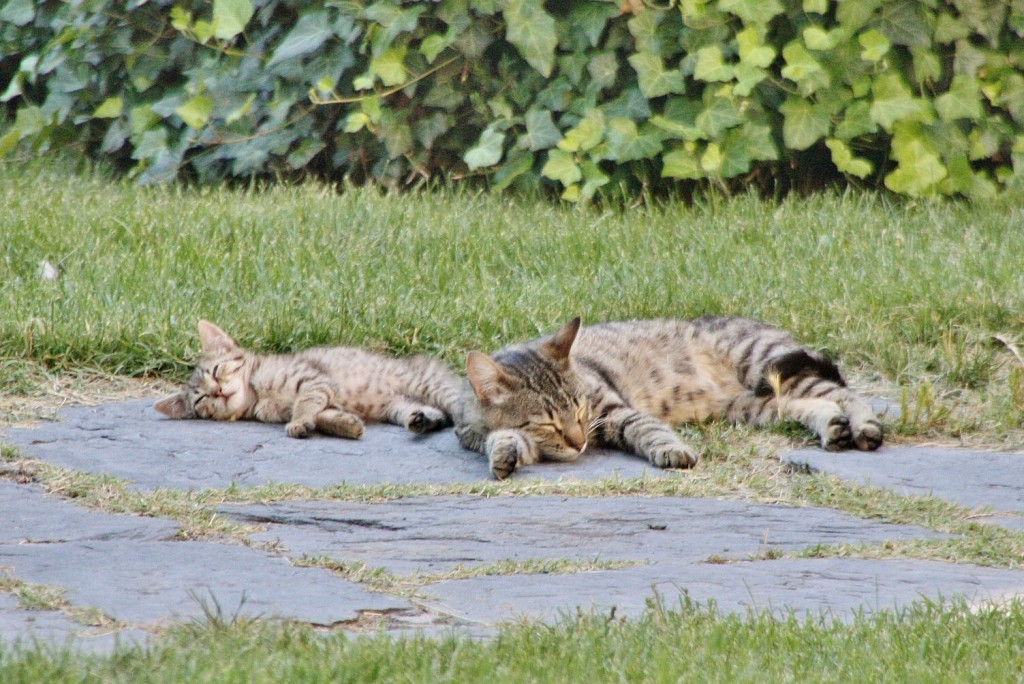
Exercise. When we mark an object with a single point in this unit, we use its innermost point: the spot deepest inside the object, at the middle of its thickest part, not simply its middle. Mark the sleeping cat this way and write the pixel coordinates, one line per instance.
(626, 384)
(331, 390)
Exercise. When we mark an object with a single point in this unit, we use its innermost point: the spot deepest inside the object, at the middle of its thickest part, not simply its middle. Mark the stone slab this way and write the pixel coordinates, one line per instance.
(28, 629)
(969, 478)
(132, 441)
(836, 588)
(152, 583)
(31, 517)
(435, 534)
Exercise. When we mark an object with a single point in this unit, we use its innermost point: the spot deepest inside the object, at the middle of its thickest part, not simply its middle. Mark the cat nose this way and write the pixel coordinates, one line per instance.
(576, 439)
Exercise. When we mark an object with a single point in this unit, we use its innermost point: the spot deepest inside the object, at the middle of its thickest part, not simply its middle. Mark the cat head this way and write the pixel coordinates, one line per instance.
(535, 388)
(219, 386)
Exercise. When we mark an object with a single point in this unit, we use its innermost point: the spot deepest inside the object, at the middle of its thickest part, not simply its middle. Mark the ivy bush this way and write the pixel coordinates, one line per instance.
(923, 96)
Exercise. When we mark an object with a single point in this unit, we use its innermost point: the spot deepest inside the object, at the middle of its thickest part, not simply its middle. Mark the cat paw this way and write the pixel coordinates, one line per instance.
(504, 460)
(299, 429)
(837, 434)
(674, 456)
(869, 436)
(426, 420)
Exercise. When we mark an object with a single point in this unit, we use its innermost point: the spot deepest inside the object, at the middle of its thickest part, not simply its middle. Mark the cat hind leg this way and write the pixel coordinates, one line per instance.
(340, 423)
(416, 417)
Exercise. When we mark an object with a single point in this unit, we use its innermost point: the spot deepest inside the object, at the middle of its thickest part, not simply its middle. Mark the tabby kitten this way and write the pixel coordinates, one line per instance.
(332, 390)
(625, 385)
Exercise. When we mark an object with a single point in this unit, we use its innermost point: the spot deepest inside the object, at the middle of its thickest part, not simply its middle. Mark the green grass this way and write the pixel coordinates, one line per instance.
(927, 642)
(909, 295)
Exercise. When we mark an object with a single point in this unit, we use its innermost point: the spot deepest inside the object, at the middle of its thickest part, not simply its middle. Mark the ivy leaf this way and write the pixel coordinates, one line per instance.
(586, 134)
(892, 101)
(844, 160)
(230, 17)
(110, 108)
(682, 163)
(949, 28)
(817, 38)
(804, 124)
(920, 170)
(196, 112)
(747, 77)
(961, 101)
(903, 25)
(875, 45)
(593, 179)
(603, 69)
(803, 69)
(487, 152)
(719, 115)
(753, 51)
(816, 6)
(652, 77)
(532, 31)
(561, 166)
(752, 11)
(308, 34)
(856, 122)
(711, 160)
(18, 12)
(711, 66)
(626, 143)
(541, 132)
(517, 163)
(390, 66)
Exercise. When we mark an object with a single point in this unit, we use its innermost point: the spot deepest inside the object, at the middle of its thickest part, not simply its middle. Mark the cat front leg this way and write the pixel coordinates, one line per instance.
(644, 435)
(307, 406)
(508, 449)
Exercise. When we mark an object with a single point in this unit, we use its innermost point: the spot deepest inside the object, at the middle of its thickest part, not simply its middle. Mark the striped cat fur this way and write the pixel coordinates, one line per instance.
(332, 390)
(626, 384)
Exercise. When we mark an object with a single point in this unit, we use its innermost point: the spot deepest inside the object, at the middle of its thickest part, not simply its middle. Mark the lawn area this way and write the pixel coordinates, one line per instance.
(101, 284)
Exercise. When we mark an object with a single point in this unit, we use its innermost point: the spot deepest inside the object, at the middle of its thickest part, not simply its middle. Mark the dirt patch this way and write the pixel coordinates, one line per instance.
(40, 398)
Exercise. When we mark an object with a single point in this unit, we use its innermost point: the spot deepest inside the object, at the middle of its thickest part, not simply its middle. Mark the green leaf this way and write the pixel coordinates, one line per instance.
(652, 77)
(756, 139)
(561, 166)
(18, 12)
(927, 66)
(593, 178)
(752, 11)
(961, 101)
(747, 77)
(230, 17)
(949, 28)
(517, 163)
(110, 108)
(752, 49)
(711, 66)
(844, 160)
(803, 69)
(532, 31)
(853, 14)
(572, 193)
(433, 45)
(8, 141)
(586, 135)
(804, 123)
(875, 45)
(817, 38)
(718, 116)
(389, 67)
(603, 69)
(920, 169)
(816, 6)
(856, 122)
(903, 24)
(308, 34)
(487, 152)
(1012, 96)
(892, 101)
(711, 160)
(541, 132)
(962, 179)
(682, 163)
(196, 112)
(626, 143)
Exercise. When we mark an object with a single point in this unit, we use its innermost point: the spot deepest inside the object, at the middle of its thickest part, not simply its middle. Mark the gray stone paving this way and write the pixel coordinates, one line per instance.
(141, 574)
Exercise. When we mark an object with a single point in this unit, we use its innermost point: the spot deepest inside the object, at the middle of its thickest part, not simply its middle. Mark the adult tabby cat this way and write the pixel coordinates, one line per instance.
(625, 384)
(332, 390)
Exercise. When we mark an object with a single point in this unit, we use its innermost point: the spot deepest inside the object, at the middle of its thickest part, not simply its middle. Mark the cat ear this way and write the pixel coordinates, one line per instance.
(173, 407)
(490, 382)
(214, 340)
(560, 344)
